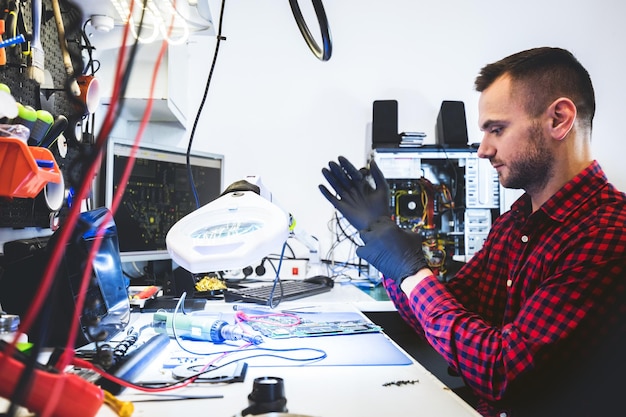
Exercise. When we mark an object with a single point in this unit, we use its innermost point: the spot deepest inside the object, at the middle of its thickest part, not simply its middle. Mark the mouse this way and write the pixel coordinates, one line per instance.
(321, 279)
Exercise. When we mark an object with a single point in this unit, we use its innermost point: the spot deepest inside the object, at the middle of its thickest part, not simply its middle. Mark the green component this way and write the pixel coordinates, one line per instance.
(26, 113)
(45, 116)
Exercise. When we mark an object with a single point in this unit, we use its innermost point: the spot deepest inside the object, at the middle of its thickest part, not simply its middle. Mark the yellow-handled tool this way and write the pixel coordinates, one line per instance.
(67, 60)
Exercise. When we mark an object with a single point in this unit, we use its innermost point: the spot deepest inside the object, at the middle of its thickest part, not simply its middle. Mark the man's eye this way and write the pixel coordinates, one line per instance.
(495, 130)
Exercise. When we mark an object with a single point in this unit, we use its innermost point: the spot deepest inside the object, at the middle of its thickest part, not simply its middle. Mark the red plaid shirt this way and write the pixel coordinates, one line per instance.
(544, 288)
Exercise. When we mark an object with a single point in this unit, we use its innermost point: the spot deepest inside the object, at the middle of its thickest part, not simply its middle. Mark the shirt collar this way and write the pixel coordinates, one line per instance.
(574, 193)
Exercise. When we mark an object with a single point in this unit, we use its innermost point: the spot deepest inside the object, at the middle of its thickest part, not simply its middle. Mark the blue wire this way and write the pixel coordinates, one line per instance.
(270, 300)
(322, 354)
(216, 367)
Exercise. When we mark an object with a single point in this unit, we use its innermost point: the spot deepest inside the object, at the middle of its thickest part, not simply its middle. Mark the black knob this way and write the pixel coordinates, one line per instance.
(268, 395)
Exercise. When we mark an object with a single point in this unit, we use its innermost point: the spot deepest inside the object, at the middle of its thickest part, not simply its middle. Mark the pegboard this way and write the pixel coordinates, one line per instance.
(19, 212)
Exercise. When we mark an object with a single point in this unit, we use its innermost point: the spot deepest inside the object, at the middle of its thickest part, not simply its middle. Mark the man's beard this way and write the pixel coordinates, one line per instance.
(532, 170)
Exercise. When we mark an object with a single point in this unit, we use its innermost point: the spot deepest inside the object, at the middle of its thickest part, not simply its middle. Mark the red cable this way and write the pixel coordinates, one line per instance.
(65, 232)
(73, 215)
(66, 358)
(68, 354)
(81, 363)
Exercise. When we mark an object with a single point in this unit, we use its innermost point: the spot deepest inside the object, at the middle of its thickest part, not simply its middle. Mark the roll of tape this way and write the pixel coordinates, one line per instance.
(54, 194)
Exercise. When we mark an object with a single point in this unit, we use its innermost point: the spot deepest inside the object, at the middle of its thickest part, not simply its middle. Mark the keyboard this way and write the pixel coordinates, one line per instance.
(169, 304)
(291, 290)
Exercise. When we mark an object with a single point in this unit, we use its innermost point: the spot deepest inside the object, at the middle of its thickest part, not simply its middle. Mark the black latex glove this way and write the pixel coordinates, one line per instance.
(359, 202)
(395, 252)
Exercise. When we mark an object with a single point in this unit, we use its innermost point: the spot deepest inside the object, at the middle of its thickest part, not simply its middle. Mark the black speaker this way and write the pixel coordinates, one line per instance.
(452, 125)
(385, 124)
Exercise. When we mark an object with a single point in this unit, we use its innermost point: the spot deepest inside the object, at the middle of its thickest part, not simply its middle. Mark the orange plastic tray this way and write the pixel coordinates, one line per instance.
(25, 170)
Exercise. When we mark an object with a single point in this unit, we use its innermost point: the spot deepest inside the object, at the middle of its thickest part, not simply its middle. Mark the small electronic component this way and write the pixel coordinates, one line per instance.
(209, 283)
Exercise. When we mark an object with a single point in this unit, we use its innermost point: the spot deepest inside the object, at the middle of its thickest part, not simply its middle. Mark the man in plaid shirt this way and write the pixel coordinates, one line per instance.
(535, 322)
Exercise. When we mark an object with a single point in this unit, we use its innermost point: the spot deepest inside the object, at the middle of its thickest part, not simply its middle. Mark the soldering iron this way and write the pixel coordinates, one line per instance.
(199, 327)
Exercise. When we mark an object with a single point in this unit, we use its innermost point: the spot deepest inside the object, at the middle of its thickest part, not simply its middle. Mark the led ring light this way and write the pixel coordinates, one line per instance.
(324, 53)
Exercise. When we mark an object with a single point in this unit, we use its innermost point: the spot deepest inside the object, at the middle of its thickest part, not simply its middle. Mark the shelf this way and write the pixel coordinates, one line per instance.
(25, 170)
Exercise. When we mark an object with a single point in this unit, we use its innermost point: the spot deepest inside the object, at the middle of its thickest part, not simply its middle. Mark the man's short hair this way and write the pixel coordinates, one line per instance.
(543, 75)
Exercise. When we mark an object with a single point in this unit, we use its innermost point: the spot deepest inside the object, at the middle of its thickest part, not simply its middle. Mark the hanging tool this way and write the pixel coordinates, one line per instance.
(11, 41)
(36, 56)
(10, 19)
(42, 124)
(14, 26)
(67, 59)
(3, 54)
(56, 130)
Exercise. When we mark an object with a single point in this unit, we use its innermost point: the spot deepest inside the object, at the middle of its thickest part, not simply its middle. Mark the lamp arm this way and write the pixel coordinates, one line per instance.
(323, 53)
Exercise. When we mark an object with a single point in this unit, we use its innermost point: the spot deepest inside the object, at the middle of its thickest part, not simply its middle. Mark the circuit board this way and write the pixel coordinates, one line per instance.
(284, 328)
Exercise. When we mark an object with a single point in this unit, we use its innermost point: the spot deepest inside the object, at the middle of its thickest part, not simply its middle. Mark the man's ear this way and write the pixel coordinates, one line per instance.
(562, 113)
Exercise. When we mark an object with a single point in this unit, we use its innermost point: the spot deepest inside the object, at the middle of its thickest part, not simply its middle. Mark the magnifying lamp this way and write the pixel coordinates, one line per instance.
(238, 228)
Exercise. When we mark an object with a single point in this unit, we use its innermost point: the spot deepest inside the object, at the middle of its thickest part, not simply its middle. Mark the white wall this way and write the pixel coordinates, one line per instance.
(275, 110)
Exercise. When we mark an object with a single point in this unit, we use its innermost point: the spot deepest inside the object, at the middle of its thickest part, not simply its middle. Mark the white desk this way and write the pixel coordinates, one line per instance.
(323, 391)
(346, 293)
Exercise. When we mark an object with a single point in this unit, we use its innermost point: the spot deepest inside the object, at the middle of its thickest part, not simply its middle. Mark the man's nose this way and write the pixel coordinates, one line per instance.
(485, 149)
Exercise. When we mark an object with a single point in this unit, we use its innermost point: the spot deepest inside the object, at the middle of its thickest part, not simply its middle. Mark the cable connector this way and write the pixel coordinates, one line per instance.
(122, 408)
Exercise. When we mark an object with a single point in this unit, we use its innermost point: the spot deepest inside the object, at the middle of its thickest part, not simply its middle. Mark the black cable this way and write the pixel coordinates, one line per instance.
(322, 355)
(270, 299)
(454, 179)
(24, 384)
(348, 236)
(92, 156)
(276, 256)
(220, 38)
(89, 48)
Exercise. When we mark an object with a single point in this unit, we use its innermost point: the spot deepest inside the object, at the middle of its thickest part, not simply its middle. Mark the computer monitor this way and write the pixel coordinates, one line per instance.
(106, 309)
(157, 194)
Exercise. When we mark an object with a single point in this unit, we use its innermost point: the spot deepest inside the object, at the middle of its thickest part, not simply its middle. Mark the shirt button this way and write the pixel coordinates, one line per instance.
(525, 239)
(509, 282)
(502, 414)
